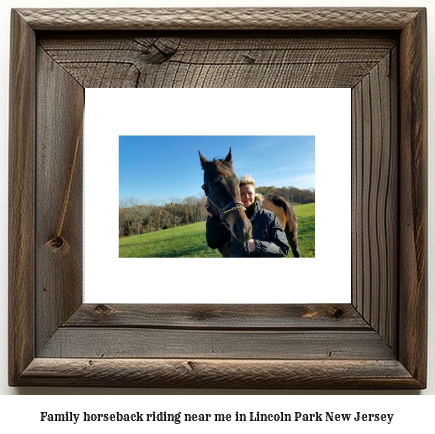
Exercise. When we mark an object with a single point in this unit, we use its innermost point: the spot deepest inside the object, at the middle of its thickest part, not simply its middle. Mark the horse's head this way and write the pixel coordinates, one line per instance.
(221, 187)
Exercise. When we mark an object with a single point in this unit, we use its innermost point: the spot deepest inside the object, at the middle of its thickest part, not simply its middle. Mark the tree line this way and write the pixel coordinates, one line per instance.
(291, 194)
(137, 218)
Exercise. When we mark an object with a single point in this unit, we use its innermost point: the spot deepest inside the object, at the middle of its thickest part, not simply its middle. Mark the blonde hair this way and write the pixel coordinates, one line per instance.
(246, 180)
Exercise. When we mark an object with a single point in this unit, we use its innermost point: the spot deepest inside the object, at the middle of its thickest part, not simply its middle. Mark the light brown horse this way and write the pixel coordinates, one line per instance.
(221, 186)
(287, 217)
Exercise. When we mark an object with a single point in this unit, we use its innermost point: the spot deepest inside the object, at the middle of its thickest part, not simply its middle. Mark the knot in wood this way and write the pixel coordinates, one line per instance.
(58, 244)
(102, 309)
(338, 313)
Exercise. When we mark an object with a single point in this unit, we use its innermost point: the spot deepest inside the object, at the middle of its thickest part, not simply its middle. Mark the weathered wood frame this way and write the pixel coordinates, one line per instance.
(377, 341)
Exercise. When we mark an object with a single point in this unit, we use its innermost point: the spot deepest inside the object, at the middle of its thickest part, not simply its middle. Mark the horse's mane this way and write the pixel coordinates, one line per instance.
(223, 167)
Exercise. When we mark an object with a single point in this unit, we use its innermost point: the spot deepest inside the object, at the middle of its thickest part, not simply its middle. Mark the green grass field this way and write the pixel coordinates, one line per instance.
(189, 241)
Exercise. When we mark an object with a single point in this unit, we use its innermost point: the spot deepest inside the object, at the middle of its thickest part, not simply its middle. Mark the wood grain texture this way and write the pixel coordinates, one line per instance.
(220, 18)
(236, 60)
(377, 342)
(95, 342)
(220, 317)
(375, 199)
(60, 106)
(21, 197)
(228, 374)
(413, 188)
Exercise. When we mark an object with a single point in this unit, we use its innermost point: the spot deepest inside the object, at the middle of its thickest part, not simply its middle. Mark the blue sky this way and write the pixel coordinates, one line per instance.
(158, 168)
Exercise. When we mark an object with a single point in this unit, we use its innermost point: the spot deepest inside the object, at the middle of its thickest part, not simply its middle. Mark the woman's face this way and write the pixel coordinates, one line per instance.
(247, 193)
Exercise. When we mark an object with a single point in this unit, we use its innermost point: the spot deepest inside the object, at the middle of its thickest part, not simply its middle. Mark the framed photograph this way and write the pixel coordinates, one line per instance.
(150, 189)
(377, 340)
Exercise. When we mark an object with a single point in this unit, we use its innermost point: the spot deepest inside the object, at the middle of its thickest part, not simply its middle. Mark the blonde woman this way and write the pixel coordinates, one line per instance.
(268, 237)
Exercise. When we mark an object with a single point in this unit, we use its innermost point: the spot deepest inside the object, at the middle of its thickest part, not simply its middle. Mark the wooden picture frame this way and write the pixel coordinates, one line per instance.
(377, 341)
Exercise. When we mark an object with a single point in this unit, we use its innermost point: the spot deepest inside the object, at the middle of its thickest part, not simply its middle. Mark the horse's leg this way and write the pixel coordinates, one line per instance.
(292, 238)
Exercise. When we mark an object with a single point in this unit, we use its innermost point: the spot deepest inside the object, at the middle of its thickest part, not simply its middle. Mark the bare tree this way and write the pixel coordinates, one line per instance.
(132, 211)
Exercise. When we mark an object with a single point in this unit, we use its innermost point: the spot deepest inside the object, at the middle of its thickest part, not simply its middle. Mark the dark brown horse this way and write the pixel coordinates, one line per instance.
(221, 186)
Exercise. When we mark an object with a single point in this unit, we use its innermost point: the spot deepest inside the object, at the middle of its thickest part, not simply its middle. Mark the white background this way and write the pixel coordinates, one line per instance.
(22, 412)
(324, 113)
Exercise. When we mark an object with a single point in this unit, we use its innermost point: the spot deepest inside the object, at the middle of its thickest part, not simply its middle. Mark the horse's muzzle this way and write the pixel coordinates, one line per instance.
(242, 230)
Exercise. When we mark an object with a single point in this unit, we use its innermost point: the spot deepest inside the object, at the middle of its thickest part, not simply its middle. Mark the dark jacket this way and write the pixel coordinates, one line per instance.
(269, 236)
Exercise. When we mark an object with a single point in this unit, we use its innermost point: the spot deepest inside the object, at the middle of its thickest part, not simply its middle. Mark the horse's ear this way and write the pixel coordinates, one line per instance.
(202, 159)
(229, 157)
